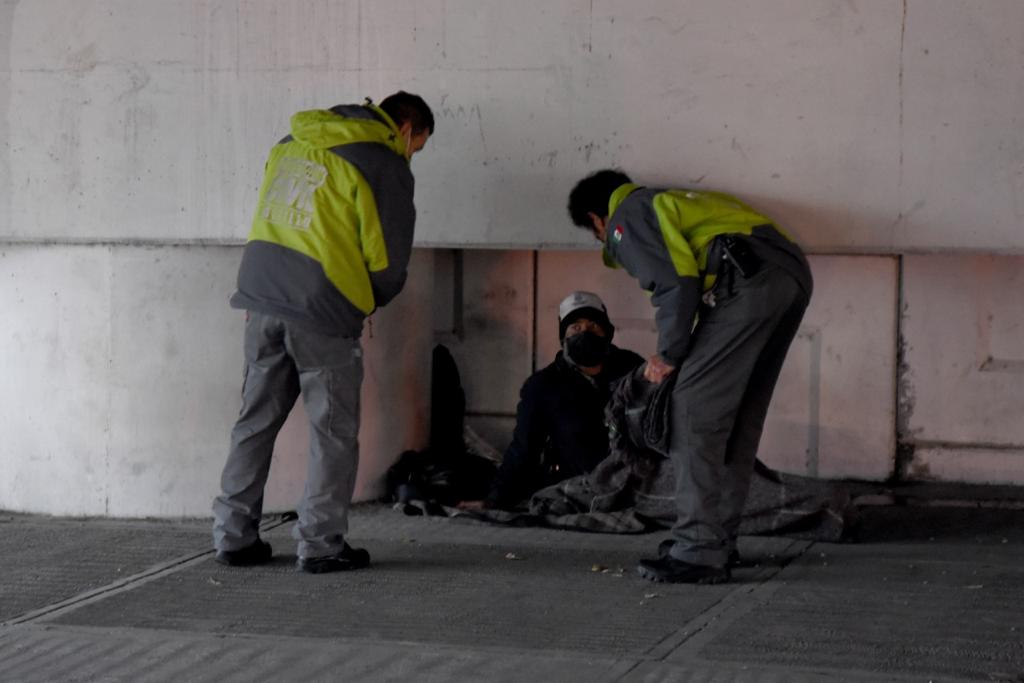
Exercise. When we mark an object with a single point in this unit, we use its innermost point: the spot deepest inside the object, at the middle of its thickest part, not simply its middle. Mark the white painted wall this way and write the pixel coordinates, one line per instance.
(963, 391)
(122, 373)
(133, 134)
(859, 124)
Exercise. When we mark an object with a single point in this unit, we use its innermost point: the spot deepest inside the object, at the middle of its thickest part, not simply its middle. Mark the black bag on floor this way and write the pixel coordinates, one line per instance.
(445, 473)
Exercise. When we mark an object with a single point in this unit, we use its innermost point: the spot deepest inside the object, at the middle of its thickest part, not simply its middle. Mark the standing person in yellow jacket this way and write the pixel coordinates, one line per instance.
(730, 290)
(330, 243)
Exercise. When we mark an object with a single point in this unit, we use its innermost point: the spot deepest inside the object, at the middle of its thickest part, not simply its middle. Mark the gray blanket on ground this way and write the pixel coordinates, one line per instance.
(632, 490)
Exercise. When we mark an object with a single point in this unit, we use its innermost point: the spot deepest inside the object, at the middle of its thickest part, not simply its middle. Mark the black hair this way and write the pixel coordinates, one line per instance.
(591, 195)
(404, 106)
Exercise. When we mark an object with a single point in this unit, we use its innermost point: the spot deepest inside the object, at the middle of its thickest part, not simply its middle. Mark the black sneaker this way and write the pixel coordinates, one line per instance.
(735, 561)
(671, 570)
(249, 556)
(349, 558)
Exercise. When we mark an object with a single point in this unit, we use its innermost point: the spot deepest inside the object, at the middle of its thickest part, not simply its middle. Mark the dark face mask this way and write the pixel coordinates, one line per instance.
(586, 349)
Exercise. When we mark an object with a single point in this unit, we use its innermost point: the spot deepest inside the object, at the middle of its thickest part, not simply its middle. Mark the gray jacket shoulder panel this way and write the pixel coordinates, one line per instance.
(635, 241)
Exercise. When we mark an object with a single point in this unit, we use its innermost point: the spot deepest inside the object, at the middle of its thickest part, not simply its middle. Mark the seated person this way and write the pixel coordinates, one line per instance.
(560, 430)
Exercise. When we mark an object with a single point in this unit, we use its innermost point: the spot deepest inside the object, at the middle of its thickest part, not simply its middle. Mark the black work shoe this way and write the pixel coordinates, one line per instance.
(249, 556)
(349, 558)
(735, 561)
(670, 570)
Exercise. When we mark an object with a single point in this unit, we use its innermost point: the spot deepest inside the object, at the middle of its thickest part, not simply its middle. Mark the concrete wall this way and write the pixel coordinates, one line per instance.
(122, 369)
(905, 367)
(882, 133)
(964, 359)
(876, 125)
(834, 412)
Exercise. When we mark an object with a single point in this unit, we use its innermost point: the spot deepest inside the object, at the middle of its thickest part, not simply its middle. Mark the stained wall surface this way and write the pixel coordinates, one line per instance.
(867, 125)
(883, 134)
(122, 370)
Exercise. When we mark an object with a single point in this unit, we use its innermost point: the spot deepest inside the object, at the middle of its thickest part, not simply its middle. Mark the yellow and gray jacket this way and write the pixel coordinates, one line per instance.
(333, 230)
(663, 238)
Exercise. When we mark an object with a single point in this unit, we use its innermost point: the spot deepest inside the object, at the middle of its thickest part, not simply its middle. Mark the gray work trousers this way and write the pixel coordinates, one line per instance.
(282, 360)
(719, 404)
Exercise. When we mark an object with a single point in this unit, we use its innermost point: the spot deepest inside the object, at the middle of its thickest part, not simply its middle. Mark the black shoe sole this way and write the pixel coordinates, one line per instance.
(735, 560)
(330, 564)
(328, 568)
(244, 558)
(707, 580)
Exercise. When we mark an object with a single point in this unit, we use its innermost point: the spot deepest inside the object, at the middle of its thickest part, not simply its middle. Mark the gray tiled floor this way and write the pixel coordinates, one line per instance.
(45, 560)
(928, 594)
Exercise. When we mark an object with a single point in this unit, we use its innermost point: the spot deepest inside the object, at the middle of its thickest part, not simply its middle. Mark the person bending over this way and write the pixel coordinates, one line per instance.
(729, 289)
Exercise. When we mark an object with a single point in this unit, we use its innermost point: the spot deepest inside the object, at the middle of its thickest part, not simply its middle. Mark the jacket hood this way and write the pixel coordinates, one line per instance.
(323, 128)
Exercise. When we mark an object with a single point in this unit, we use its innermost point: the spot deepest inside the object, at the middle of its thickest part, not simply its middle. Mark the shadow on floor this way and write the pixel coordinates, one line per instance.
(909, 523)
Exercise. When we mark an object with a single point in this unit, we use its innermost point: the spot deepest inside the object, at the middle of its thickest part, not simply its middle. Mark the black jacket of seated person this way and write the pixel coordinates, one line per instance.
(560, 431)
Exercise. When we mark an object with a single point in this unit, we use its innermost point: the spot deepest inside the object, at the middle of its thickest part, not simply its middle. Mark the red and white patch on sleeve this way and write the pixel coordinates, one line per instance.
(617, 233)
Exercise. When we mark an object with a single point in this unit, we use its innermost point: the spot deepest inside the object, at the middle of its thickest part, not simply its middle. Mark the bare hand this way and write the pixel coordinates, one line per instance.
(656, 369)
(472, 505)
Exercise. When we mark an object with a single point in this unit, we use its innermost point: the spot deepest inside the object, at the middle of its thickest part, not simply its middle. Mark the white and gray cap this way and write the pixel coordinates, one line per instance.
(583, 305)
